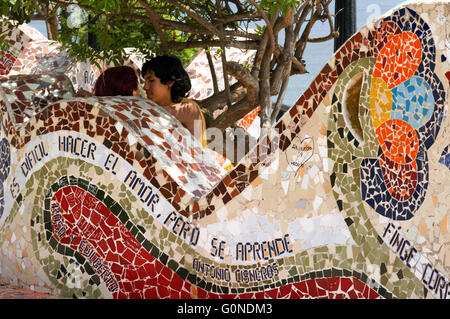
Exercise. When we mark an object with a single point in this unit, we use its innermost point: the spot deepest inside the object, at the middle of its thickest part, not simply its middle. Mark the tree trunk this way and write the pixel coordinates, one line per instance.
(52, 27)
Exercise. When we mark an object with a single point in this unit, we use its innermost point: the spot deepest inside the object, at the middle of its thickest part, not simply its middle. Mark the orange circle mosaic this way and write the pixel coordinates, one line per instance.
(399, 59)
(398, 141)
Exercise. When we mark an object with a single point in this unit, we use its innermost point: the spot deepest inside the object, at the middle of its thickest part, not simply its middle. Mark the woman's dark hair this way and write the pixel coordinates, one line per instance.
(168, 68)
(118, 80)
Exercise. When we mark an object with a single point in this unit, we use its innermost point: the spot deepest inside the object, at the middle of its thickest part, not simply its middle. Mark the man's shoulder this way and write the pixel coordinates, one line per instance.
(187, 105)
(186, 109)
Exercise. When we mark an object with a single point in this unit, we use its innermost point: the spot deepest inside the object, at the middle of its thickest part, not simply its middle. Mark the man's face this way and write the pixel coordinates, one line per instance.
(157, 91)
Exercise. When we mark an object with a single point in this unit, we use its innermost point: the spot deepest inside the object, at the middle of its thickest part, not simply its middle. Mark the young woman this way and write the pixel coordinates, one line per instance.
(167, 83)
(119, 80)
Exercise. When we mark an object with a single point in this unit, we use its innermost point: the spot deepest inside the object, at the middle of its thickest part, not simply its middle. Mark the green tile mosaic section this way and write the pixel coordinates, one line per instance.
(347, 154)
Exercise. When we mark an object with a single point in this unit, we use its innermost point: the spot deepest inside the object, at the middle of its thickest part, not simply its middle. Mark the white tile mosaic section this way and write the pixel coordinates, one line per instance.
(200, 73)
(251, 226)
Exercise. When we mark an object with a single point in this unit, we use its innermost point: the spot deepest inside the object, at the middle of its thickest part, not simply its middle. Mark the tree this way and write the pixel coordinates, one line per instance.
(182, 27)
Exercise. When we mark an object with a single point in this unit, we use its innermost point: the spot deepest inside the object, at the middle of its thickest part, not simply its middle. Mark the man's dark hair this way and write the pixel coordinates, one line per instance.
(168, 68)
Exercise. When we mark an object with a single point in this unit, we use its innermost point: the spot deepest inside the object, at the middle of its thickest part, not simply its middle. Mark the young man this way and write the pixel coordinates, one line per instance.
(167, 83)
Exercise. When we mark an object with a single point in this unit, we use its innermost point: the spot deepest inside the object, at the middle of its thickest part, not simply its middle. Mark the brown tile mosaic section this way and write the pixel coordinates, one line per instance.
(136, 115)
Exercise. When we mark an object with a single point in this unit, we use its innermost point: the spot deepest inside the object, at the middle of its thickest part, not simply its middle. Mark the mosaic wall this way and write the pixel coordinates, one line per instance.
(113, 198)
(199, 72)
(19, 37)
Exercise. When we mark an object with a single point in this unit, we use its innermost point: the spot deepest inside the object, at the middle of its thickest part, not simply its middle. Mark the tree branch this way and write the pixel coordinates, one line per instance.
(244, 95)
(332, 35)
(238, 17)
(327, 15)
(213, 72)
(245, 45)
(298, 67)
(206, 24)
(155, 20)
(284, 58)
(224, 56)
(239, 109)
(268, 24)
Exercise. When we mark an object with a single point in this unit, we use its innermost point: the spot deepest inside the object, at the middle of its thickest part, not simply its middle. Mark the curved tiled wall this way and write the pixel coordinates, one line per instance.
(113, 198)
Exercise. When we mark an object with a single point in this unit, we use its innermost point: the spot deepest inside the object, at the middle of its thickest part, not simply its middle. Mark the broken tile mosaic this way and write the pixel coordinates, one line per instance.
(113, 198)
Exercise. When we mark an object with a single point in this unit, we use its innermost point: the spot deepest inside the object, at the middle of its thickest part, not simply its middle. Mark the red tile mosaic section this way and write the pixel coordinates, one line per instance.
(83, 223)
(398, 141)
(401, 179)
